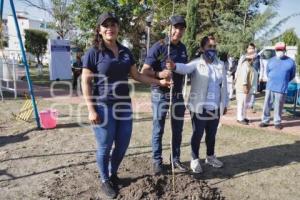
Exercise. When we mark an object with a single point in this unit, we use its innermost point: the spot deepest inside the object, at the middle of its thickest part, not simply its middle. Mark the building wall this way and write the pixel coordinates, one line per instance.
(13, 49)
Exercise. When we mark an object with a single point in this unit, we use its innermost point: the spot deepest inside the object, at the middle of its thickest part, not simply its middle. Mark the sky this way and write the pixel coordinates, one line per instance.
(286, 8)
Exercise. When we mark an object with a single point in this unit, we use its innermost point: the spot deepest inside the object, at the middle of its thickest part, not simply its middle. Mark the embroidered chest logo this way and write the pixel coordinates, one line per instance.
(126, 57)
(183, 55)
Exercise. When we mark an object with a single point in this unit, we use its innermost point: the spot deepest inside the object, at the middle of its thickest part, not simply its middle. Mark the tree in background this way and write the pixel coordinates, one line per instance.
(290, 37)
(191, 29)
(36, 43)
(235, 23)
(61, 12)
(132, 14)
(240, 21)
(298, 58)
(267, 37)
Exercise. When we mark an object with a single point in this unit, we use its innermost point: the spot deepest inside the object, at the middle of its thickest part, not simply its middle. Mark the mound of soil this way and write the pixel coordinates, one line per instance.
(147, 186)
(160, 187)
(82, 182)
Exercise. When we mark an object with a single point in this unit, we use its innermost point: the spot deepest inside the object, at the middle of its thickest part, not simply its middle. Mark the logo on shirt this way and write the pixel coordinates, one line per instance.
(126, 57)
(183, 55)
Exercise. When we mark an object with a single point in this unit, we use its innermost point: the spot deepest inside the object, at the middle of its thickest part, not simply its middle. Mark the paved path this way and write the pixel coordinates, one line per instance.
(291, 124)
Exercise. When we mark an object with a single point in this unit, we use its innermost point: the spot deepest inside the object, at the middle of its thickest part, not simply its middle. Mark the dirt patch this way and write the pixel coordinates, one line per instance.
(146, 186)
(160, 187)
(81, 182)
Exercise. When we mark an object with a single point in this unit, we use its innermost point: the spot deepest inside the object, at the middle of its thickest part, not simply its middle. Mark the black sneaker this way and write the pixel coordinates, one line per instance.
(263, 125)
(115, 180)
(179, 166)
(247, 120)
(108, 190)
(278, 126)
(244, 122)
(157, 168)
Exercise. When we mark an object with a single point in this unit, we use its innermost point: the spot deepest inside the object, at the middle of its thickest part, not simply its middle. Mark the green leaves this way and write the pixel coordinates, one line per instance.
(290, 37)
(36, 42)
(192, 27)
(298, 57)
(235, 23)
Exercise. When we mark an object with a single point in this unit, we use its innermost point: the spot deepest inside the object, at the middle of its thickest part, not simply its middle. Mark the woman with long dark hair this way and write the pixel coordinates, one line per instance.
(106, 67)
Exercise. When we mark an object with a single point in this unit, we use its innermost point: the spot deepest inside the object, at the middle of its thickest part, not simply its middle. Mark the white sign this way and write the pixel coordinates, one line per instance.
(60, 60)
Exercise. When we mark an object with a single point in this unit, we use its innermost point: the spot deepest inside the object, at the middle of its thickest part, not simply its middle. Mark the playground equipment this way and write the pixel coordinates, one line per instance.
(24, 59)
(8, 74)
(26, 111)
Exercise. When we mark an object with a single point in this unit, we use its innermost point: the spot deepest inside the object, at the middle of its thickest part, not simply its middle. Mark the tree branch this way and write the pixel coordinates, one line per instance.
(40, 6)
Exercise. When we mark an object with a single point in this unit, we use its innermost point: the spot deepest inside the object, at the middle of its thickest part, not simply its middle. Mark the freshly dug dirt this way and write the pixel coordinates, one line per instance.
(147, 186)
(137, 181)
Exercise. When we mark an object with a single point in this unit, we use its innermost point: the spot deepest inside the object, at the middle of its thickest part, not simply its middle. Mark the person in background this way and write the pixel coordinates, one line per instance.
(77, 70)
(264, 59)
(256, 66)
(251, 47)
(232, 65)
(280, 71)
(245, 86)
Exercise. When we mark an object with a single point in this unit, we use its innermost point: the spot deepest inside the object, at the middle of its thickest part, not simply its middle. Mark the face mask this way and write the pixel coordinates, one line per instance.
(210, 54)
(279, 54)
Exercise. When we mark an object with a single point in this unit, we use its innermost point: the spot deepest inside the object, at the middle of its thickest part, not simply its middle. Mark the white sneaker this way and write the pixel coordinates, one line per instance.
(213, 161)
(195, 166)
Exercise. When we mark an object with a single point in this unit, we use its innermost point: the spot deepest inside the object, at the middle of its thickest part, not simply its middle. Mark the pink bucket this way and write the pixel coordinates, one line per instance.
(48, 118)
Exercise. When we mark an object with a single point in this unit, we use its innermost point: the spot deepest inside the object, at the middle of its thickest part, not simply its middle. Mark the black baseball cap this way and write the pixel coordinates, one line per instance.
(107, 15)
(177, 20)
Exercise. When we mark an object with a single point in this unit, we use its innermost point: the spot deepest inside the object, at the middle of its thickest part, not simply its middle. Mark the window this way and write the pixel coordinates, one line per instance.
(268, 53)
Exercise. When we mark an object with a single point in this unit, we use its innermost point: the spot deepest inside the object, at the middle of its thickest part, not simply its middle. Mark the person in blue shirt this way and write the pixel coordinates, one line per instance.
(105, 88)
(155, 66)
(280, 71)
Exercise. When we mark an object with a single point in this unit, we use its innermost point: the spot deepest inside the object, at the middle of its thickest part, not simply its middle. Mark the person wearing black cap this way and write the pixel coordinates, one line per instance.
(155, 66)
(105, 69)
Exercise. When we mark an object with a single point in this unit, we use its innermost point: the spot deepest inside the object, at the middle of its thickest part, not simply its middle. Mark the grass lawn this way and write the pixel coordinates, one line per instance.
(60, 163)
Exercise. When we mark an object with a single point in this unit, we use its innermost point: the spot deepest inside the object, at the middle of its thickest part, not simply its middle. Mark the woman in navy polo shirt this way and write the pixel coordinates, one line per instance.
(107, 66)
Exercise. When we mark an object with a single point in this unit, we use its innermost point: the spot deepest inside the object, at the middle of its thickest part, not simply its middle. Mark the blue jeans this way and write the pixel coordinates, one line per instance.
(276, 100)
(160, 106)
(209, 123)
(115, 127)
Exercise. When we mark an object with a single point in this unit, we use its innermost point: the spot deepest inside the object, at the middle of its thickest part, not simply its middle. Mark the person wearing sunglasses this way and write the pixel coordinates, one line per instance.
(208, 100)
(105, 88)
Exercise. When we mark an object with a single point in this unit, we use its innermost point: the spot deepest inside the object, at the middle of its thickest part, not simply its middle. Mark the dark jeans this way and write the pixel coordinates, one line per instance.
(76, 74)
(160, 106)
(115, 127)
(200, 122)
(262, 86)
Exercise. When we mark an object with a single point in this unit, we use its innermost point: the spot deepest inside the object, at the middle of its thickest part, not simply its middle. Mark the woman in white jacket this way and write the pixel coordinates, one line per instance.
(208, 99)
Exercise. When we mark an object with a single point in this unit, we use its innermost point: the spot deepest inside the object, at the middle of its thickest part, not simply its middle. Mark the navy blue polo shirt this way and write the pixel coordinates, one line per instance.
(157, 56)
(111, 73)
